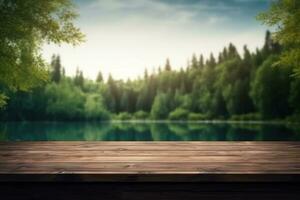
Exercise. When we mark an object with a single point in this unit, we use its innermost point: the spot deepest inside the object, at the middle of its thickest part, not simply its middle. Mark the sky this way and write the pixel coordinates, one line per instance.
(124, 37)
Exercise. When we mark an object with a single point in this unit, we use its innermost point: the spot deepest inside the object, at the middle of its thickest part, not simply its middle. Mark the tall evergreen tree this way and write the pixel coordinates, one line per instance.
(232, 51)
(79, 79)
(63, 73)
(194, 62)
(201, 62)
(99, 78)
(224, 54)
(160, 106)
(124, 102)
(146, 74)
(56, 69)
(113, 94)
(168, 65)
(212, 61)
(270, 89)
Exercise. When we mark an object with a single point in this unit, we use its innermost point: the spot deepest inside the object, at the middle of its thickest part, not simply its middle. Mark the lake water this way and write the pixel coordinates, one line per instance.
(150, 131)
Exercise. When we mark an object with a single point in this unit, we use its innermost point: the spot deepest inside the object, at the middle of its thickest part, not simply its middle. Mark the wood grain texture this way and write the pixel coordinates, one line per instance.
(150, 161)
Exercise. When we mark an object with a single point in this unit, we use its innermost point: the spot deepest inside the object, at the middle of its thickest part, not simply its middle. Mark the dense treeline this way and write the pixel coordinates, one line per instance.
(231, 86)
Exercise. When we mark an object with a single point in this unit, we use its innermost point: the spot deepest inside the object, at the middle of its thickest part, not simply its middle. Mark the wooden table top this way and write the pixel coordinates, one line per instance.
(150, 161)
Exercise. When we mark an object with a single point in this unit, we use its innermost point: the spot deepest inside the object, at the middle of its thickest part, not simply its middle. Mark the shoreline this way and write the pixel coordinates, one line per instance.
(148, 121)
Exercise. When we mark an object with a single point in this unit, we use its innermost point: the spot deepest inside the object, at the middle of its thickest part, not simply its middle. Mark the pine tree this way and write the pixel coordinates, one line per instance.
(99, 78)
(113, 94)
(201, 62)
(63, 72)
(267, 49)
(168, 66)
(79, 79)
(232, 51)
(225, 54)
(194, 62)
(159, 70)
(220, 58)
(124, 103)
(146, 74)
(212, 61)
(56, 69)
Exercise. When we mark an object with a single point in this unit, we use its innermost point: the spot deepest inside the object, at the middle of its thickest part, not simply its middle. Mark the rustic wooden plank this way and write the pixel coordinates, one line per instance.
(124, 160)
(167, 147)
(83, 152)
(151, 143)
(148, 168)
(159, 142)
(99, 158)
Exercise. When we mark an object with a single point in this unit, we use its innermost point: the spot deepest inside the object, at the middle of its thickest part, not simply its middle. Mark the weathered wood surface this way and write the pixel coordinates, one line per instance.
(150, 161)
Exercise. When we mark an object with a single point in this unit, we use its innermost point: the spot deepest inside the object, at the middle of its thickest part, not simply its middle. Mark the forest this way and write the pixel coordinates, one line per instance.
(233, 85)
(227, 86)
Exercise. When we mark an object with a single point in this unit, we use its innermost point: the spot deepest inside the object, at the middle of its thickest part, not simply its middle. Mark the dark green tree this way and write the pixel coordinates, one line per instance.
(271, 89)
(160, 106)
(294, 98)
(194, 63)
(201, 62)
(168, 65)
(56, 69)
(113, 96)
(99, 78)
(79, 79)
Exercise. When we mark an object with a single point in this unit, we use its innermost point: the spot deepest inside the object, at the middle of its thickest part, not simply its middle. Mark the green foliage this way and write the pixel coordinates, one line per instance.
(99, 78)
(294, 98)
(160, 107)
(56, 69)
(112, 95)
(233, 84)
(124, 102)
(65, 102)
(293, 118)
(94, 108)
(25, 26)
(179, 114)
(194, 63)
(207, 81)
(123, 116)
(246, 117)
(284, 15)
(79, 79)
(141, 115)
(271, 89)
(198, 117)
(3, 100)
(168, 65)
(233, 87)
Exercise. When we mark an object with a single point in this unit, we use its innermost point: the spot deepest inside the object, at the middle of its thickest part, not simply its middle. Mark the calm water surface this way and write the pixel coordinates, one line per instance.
(150, 131)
